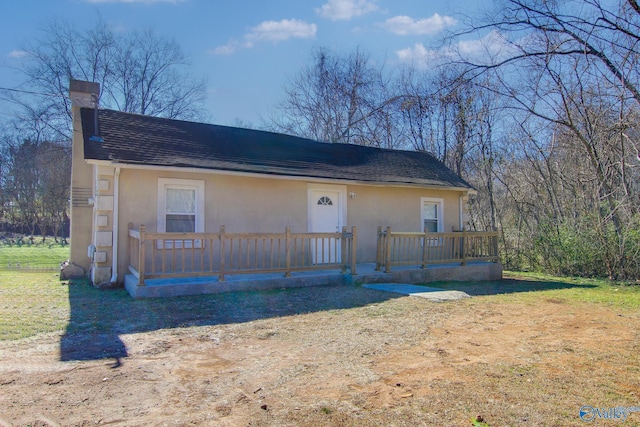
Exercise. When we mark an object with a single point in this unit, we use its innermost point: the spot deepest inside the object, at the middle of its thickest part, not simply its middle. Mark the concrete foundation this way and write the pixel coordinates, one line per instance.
(153, 288)
(100, 275)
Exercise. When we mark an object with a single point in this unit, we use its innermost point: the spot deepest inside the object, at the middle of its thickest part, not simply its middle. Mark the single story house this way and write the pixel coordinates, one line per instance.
(174, 176)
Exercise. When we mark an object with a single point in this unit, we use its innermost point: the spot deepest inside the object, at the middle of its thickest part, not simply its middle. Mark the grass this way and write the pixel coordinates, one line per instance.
(546, 379)
(37, 255)
(32, 303)
(529, 288)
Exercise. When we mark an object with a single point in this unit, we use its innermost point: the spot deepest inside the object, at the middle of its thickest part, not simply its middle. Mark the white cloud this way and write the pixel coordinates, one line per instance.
(18, 54)
(417, 55)
(337, 10)
(227, 49)
(486, 50)
(404, 25)
(274, 31)
(491, 46)
(282, 30)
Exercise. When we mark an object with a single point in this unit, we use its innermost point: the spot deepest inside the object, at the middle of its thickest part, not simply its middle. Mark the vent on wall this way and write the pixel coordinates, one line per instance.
(80, 196)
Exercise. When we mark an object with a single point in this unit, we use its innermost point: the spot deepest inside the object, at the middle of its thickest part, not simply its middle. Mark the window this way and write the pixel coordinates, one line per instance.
(180, 212)
(325, 201)
(180, 207)
(431, 216)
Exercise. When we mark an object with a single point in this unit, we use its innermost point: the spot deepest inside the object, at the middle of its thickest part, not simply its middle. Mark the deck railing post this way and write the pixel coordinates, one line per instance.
(463, 248)
(287, 250)
(495, 245)
(424, 248)
(222, 238)
(354, 241)
(387, 251)
(379, 249)
(343, 250)
(130, 244)
(141, 255)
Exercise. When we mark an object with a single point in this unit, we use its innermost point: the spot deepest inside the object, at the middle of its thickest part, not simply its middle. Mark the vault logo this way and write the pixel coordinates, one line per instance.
(619, 413)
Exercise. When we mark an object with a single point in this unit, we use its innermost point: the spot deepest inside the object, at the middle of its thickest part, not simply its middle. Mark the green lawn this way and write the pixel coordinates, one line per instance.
(32, 303)
(37, 255)
(530, 287)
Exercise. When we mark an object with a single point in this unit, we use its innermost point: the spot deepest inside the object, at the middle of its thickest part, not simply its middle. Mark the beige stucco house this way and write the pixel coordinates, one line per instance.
(184, 177)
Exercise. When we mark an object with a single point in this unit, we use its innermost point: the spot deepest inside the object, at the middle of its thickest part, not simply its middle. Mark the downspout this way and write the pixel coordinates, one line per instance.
(460, 211)
(116, 215)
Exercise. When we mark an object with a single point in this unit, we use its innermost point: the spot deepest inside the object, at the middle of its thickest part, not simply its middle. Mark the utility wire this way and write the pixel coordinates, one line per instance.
(29, 92)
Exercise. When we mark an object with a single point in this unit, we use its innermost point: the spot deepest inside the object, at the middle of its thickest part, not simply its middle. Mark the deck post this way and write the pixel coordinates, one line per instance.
(424, 248)
(463, 248)
(379, 249)
(287, 249)
(130, 243)
(354, 239)
(495, 245)
(387, 251)
(141, 255)
(343, 250)
(222, 238)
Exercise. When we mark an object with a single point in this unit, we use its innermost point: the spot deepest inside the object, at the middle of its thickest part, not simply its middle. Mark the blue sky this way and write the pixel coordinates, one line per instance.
(247, 49)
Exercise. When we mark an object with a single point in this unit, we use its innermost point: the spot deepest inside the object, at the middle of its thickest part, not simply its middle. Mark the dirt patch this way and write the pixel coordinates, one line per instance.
(403, 361)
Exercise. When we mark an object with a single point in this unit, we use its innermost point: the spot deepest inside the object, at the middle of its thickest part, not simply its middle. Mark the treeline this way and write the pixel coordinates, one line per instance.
(544, 124)
(35, 181)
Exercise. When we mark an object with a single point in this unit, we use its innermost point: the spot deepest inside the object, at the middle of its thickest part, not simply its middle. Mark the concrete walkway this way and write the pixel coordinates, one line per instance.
(433, 294)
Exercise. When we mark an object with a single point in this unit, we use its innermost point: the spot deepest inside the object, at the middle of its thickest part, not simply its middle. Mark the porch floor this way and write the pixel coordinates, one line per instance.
(473, 271)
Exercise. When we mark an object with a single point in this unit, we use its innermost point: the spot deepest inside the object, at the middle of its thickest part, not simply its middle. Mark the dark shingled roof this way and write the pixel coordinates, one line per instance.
(143, 140)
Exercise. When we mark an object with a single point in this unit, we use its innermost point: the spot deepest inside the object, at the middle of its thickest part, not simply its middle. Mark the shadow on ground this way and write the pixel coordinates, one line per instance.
(509, 285)
(99, 317)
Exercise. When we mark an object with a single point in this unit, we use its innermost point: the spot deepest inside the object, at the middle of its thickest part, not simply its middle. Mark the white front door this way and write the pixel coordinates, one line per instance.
(326, 215)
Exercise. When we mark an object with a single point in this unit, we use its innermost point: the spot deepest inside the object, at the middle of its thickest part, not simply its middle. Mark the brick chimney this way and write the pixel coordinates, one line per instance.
(82, 94)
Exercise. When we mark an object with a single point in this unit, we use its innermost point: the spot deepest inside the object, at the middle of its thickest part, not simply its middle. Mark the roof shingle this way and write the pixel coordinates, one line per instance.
(144, 140)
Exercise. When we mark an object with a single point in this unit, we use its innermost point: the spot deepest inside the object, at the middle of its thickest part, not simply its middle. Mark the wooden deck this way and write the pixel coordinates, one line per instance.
(169, 264)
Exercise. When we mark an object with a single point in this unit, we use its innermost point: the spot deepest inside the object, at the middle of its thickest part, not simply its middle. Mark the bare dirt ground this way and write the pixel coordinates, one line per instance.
(402, 361)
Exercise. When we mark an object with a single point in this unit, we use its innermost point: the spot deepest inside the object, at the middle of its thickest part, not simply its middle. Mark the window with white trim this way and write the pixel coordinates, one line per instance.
(180, 206)
(431, 214)
(180, 210)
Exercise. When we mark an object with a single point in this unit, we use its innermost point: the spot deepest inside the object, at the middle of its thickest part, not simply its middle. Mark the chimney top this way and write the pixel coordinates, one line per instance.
(83, 93)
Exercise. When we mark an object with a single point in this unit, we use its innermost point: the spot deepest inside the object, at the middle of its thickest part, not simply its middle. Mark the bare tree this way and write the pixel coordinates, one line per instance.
(571, 68)
(605, 33)
(417, 112)
(148, 78)
(338, 99)
(139, 72)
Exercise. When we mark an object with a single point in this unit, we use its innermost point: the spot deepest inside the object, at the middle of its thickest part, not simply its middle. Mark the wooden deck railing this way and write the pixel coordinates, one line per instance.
(169, 255)
(421, 249)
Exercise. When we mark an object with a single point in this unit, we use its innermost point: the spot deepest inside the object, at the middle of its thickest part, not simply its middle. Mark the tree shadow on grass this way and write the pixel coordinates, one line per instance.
(510, 285)
(99, 317)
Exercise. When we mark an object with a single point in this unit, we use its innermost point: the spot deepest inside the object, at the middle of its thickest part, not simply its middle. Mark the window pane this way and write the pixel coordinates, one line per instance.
(180, 223)
(181, 201)
(325, 201)
(431, 225)
(431, 211)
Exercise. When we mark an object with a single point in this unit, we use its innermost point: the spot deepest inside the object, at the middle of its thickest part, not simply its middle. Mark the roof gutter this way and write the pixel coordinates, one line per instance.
(468, 190)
